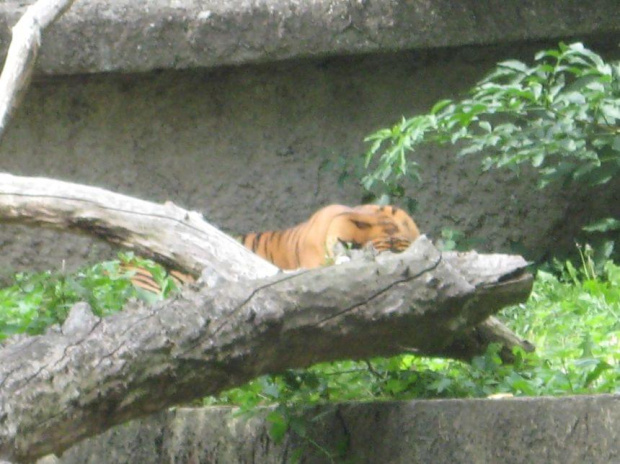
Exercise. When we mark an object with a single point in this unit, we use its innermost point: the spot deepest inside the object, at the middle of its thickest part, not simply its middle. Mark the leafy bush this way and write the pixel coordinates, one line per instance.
(36, 301)
(560, 115)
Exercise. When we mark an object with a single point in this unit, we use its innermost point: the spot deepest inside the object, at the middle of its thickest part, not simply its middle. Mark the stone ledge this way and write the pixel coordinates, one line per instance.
(131, 36)
(518, 430)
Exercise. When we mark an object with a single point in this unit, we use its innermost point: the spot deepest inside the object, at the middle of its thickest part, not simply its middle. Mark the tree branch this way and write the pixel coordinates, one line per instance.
(22, 54)
(168, 234)
(182, 240)
(61, 387)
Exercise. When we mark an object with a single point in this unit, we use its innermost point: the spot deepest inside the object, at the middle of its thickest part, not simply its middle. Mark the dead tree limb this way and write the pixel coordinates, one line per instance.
(168, 234)
(61, 387)
(22, 54)
(181, 239)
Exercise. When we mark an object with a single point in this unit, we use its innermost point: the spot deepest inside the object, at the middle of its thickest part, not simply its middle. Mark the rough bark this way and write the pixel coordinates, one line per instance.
(22, 54)
(61, 387)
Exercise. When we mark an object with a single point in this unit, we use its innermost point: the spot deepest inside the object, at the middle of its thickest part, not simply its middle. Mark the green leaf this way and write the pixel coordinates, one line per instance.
(514, 65)
(548, 54)
(584, 81)
(485, 126)
(279, 426)
(440, 105)
(538, 159)
(611, 112)
(603, 225)
(595, 374)
(442, 384)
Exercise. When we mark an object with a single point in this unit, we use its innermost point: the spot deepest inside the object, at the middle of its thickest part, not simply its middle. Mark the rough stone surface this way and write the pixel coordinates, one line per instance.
(125, 35)
(247, 145)
(570, 430)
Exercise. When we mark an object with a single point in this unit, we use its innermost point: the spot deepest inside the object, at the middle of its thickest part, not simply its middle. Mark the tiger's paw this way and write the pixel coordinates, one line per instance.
(345, 252)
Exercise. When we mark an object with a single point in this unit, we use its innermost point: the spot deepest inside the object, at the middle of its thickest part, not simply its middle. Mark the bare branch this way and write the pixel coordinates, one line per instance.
(166, 233)
(22, 54)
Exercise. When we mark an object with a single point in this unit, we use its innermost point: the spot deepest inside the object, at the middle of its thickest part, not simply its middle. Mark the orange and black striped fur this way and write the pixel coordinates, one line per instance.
(143, 278)
(310, 244)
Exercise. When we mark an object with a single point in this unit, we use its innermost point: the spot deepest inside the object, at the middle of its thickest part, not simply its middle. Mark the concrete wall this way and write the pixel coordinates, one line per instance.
(244, 144)
(128, 36)
(570, 430)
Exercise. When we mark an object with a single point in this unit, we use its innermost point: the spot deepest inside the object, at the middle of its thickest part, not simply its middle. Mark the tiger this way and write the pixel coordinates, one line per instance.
(311, 244)
(143, 278)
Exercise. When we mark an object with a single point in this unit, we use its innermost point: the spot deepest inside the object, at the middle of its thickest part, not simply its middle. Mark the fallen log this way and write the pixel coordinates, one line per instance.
(64, 386)
(177, 238)
(181, 239)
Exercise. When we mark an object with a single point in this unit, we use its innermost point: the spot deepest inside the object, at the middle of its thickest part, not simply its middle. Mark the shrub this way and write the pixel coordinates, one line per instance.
(561, 115)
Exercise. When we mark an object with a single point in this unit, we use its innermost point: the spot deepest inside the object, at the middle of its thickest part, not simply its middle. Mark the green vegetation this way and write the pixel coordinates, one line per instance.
(561, 115)
(36, 301)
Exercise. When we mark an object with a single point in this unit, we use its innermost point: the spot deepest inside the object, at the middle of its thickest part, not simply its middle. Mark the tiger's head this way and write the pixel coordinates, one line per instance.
(387, 228)
(311, 244)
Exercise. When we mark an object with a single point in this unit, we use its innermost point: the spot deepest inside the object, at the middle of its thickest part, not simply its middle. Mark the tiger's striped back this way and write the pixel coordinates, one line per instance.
(310, 244)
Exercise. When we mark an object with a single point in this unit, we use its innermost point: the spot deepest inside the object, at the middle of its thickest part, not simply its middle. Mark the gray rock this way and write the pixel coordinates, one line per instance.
(569, 430)
(130, 36)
